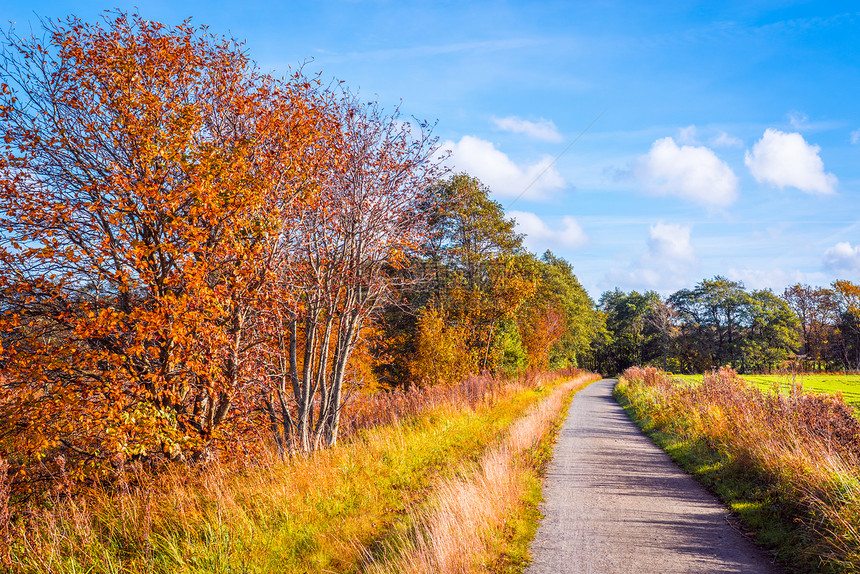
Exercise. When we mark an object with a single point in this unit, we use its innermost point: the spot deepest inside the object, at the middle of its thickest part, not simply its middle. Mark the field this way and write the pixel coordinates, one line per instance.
(848, 385)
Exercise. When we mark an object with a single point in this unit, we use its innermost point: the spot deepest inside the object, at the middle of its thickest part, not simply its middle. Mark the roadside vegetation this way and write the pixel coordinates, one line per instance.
(241, 315)
(829, 383)
(484, 519)
(787, 464)
(338, 509)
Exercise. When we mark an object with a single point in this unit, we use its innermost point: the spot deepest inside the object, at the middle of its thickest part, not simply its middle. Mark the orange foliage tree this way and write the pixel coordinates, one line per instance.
(145, 178)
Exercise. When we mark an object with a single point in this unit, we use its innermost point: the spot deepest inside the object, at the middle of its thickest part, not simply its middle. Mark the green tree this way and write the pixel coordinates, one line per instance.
(570, 297)
(725, 309)
(626, 322)
(772, 336)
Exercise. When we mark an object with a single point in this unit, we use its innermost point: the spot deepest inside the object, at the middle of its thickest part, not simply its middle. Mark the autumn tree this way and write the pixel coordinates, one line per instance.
(848, 324)
(817, 310)
(477, 272)
(556, 322)
(144, 174)
(343, 252)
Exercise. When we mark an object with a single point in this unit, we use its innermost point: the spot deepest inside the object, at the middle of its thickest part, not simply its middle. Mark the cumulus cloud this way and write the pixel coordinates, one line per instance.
(539, 236)
(842, 258)
(855, 137)
(542, 129)
(494, 168)
(667, 264)
(785, 160)
(669, 245)
(694, 173)
(725, 140)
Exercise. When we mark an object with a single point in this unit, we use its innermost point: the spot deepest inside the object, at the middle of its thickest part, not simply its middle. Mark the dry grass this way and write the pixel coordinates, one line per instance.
(803, 448)
(457, 531)
(309, 514)
(382, 408)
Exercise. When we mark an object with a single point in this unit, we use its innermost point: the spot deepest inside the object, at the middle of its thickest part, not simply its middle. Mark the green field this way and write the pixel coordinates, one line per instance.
(848, 385)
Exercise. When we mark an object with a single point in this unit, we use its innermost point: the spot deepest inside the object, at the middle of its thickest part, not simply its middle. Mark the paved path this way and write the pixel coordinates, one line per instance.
(617, 503)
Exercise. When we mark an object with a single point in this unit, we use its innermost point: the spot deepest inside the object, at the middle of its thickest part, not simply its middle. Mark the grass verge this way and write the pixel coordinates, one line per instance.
(786, 466)
(483, 520)
(322, 512)
(519, 531)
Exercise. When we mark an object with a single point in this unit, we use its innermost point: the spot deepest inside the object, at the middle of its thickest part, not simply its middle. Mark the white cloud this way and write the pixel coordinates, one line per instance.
(786, 160)
(725, 140)
(669, 245)
(855, 137)
(690, 172)
(542, 129)
(539, 236)
(668, 263)
(842, 258)
(494, 168)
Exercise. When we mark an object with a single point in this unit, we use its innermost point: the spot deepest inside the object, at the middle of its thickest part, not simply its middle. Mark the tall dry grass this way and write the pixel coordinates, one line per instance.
(456, 532)
(265, 515)
(804, 447)
(382, 408)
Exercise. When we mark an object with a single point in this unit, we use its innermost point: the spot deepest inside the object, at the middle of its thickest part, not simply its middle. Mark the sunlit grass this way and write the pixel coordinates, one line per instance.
(847, 385)
(788, 465)
(328, 511)
(484, 519)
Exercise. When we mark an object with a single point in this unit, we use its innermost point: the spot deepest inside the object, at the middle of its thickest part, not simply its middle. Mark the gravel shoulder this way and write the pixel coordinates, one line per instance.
(615, 502)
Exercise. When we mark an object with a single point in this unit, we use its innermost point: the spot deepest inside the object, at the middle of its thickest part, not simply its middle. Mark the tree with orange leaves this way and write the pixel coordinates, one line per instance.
(145, 178)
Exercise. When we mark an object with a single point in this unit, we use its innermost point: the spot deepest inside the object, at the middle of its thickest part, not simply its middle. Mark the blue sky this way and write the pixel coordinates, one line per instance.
(726, 140)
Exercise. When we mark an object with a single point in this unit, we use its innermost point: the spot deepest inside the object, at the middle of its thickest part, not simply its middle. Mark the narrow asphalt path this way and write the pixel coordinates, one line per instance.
(615, 502)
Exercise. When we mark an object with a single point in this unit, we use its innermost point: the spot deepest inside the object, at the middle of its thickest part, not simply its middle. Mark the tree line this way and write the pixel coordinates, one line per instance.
(721, 323)
(198, 258)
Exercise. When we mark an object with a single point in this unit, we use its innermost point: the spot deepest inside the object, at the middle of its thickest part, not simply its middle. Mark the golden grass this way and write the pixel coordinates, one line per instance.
(314, 513)
(457, 531)
(803, 450)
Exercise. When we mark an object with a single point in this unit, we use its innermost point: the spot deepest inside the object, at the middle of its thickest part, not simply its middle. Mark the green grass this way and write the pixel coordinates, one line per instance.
(848, 385)
(312, 514)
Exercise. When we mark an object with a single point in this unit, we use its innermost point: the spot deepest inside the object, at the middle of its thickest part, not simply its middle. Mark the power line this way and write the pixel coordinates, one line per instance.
(552, 163)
